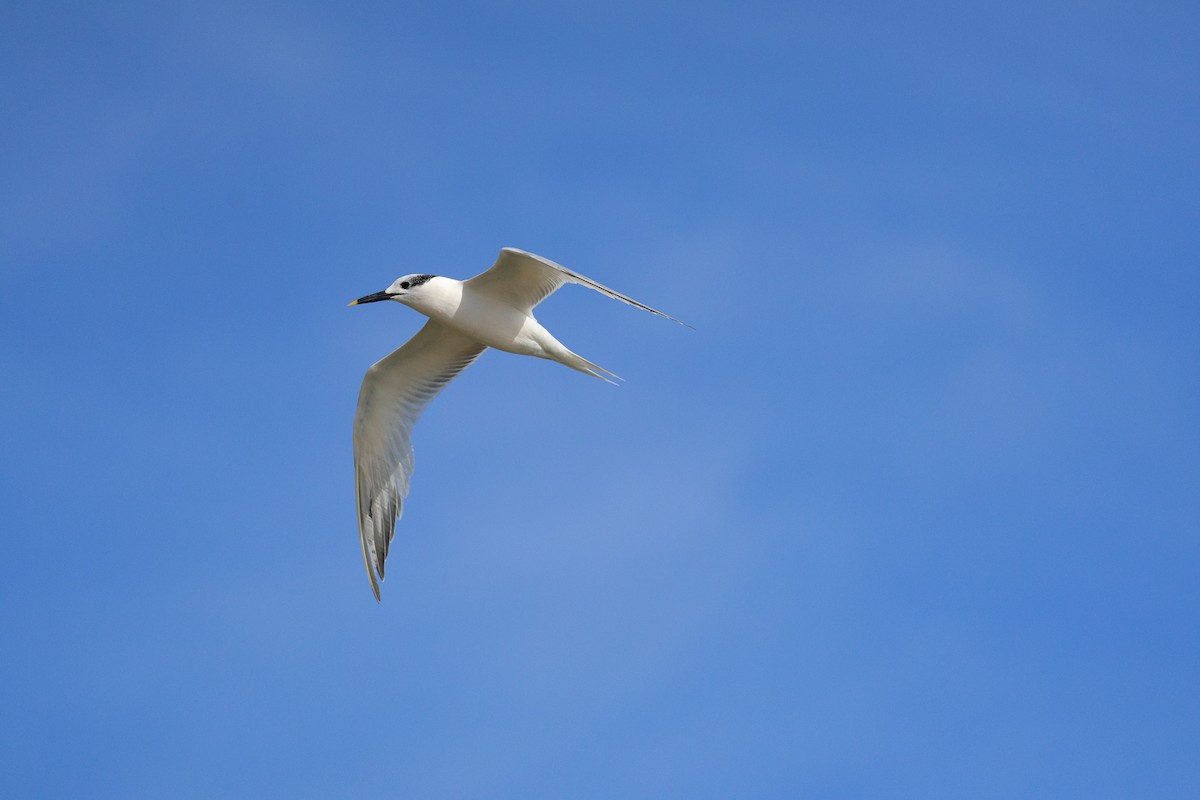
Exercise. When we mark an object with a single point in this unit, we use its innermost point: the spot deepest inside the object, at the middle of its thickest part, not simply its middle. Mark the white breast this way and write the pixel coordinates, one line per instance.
(483, 317)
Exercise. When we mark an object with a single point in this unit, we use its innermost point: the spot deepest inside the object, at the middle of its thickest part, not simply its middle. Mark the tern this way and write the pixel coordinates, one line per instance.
(493, 309)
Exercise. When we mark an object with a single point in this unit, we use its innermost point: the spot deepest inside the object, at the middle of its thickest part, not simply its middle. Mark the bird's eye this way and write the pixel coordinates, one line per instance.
(403, 284)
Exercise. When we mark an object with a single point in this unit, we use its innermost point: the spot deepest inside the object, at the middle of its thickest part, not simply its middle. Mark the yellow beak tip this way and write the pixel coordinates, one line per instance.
(352, 303)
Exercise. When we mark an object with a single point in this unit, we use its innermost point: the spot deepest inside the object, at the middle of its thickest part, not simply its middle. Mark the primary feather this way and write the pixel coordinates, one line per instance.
(524, 280)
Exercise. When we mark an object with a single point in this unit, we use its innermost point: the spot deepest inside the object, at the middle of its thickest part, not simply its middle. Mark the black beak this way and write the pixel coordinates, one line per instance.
(371, 298)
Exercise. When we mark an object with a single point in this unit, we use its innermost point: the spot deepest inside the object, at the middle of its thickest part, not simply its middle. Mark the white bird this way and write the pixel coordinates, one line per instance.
(493, 309)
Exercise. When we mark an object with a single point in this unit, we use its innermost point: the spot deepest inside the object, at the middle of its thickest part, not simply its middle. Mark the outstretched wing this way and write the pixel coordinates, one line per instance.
(394, 393)
(523, 280)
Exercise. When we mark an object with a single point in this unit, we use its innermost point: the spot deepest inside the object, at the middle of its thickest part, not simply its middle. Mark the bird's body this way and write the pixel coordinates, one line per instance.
(493, 309)
(485, 318)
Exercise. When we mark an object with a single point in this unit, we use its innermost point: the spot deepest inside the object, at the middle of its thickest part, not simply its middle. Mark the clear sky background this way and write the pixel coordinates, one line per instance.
(912, 512)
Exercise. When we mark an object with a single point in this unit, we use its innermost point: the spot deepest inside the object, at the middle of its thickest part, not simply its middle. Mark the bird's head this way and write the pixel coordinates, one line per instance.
(403, 290)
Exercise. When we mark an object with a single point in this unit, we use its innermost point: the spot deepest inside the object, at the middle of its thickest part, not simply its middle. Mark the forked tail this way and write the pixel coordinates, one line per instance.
(583, 365)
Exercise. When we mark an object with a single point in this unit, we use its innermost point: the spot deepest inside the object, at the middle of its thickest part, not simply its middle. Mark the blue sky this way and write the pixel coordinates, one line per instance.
(912, 512)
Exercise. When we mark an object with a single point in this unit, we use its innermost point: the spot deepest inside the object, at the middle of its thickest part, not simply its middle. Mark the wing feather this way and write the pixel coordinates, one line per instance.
(523, 280)
(394, 393)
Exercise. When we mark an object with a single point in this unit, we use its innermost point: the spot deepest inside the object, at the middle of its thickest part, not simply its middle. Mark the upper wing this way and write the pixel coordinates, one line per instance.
(394, 393)
(523, 280)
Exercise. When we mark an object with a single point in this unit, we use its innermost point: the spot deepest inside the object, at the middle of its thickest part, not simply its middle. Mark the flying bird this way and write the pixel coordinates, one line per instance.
(493, 309)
